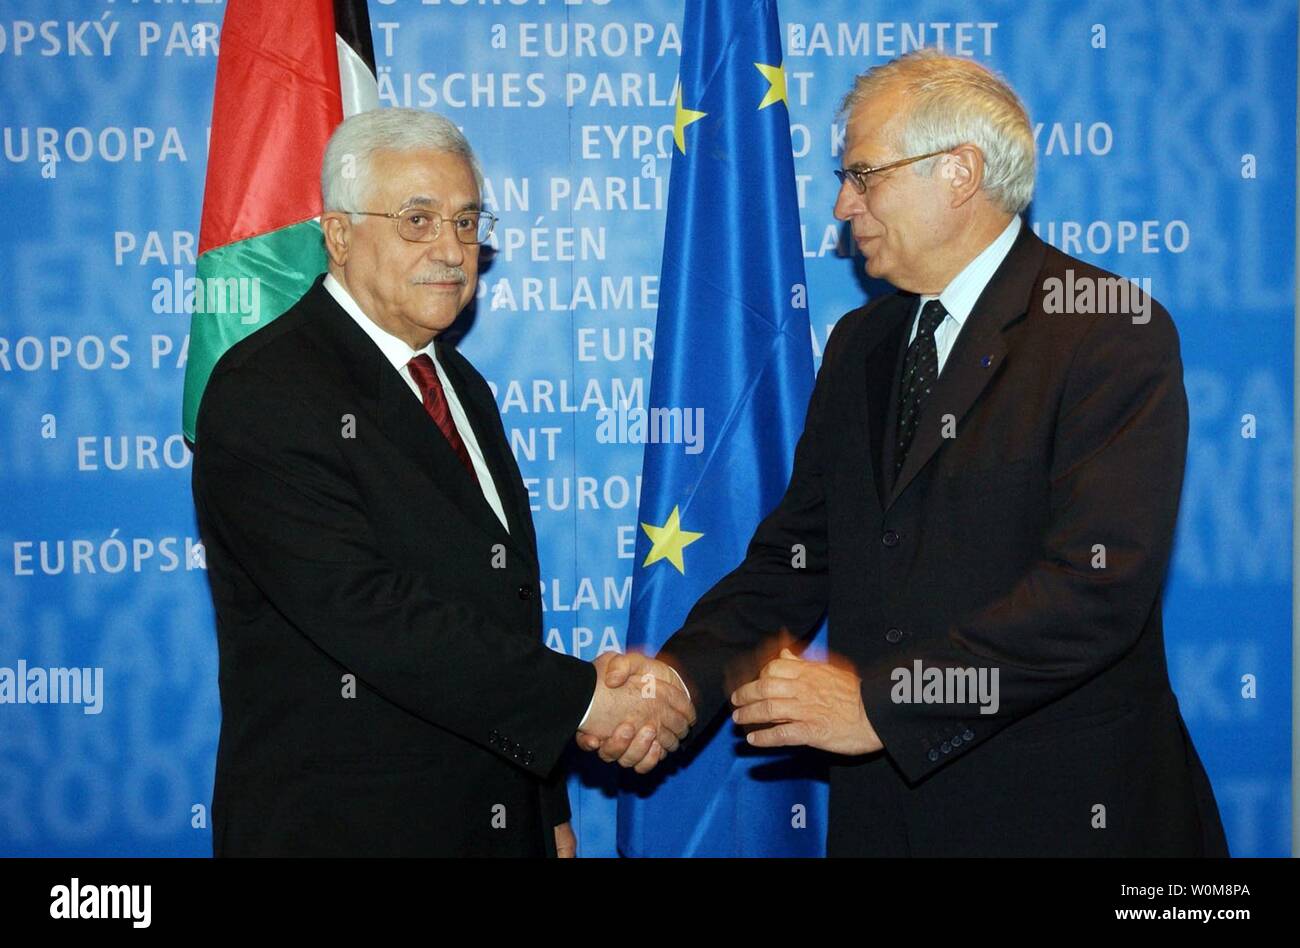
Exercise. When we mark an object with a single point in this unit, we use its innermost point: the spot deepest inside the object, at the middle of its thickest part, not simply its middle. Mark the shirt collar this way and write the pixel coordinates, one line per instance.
(396, 351)
(963, 291)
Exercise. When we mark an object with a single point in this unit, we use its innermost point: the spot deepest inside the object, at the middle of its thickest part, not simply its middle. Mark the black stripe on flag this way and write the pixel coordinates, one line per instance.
(352, 24)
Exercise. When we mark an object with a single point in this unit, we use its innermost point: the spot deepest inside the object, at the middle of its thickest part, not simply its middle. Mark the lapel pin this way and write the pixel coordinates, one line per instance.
(986, 361)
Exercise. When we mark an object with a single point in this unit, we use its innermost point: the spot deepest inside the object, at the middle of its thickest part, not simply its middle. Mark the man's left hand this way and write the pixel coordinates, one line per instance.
(806, 703)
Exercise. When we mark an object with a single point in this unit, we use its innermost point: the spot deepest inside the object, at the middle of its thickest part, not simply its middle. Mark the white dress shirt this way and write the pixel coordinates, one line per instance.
(963, 291)
(398, 352)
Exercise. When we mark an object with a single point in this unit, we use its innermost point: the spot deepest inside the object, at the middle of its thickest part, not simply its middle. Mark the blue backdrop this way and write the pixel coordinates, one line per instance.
(1166, 135)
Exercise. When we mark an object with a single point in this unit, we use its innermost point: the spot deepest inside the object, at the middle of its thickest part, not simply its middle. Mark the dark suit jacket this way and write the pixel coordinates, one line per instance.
(344, 538)
(1070, 432)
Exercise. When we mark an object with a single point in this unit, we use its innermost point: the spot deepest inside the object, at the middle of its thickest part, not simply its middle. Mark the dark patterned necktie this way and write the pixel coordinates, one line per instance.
(426, 378)
(920, 369)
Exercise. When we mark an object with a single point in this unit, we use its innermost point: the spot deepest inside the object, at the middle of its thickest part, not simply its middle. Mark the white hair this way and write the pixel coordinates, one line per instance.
(953, 101)
(345, 170)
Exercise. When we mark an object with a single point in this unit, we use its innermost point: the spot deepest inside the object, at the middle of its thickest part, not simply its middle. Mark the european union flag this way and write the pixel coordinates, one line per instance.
(733, 350)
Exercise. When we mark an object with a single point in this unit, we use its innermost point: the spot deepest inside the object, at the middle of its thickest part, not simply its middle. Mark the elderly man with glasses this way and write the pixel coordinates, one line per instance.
(985, 495)
(384, 685)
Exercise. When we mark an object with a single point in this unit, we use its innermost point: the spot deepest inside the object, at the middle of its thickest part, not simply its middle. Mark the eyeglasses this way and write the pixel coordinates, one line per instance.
(859, 176)
(420, 226)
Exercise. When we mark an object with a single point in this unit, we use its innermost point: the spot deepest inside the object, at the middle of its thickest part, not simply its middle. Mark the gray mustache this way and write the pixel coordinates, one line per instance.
(453, 275)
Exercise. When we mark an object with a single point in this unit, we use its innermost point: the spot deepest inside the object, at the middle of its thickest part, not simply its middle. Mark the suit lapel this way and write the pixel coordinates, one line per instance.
(383, 395)
(868, 383)
(976, 357)
(490, 435)
(886, 369)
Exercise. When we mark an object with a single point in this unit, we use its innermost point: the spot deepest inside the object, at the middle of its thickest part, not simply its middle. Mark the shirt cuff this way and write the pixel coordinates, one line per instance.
(590, 704)
(681, 683)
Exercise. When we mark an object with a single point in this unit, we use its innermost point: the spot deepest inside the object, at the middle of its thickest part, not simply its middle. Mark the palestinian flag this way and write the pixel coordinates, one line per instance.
(287, 74)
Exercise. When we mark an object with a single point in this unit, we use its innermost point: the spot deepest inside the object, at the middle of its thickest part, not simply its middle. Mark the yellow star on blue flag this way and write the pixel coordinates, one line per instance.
(775, 76)
(682, 118)
(668, 542)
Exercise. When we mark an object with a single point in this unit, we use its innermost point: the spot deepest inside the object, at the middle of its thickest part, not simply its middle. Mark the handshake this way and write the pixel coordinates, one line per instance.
(641, 710)
(639, 714)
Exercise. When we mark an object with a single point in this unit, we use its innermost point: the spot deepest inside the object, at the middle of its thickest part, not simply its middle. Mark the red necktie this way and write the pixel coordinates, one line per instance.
(435, 403)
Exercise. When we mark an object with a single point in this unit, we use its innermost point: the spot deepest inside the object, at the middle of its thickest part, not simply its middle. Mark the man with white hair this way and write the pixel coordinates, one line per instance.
(983, 499)
(384, 685)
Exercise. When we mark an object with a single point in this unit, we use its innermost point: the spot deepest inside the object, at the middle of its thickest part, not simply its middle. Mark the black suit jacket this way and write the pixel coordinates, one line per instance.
(1067, 434)
(346, 542)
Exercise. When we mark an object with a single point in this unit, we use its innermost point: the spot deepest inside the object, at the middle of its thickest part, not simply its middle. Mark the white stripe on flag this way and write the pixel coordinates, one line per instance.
(357, 82)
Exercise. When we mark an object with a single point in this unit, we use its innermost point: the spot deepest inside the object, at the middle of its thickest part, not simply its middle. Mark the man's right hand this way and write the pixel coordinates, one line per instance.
(639, 712)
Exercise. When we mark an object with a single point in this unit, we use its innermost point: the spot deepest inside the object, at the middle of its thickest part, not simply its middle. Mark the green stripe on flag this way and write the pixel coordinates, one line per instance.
(239, 289)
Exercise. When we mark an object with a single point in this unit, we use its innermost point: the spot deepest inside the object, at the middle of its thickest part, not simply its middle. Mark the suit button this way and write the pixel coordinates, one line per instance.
(933, 755)
(528, 757)
(968, 735)
(946, 747)
(956, 741)
(893, 636)
(890, 538)
(525, 592)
